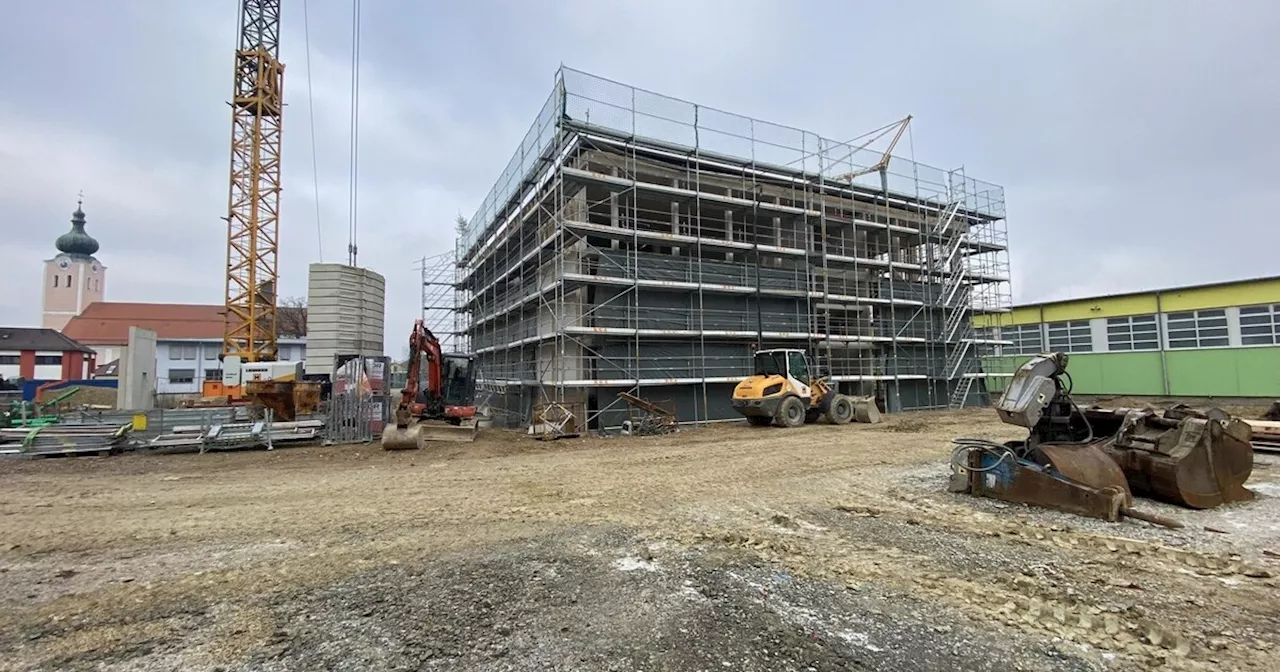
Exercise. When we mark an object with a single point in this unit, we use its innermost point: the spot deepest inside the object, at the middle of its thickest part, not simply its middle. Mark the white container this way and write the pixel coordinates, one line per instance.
(346, 313)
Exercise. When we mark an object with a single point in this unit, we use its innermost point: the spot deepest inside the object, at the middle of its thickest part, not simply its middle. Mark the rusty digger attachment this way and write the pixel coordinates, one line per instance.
(1093, 461)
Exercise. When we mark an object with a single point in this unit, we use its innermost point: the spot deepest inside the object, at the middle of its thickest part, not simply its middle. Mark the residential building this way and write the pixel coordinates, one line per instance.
(188, 339)
(638, 243)
(42, 354)
(1210, 340)
(74, 278)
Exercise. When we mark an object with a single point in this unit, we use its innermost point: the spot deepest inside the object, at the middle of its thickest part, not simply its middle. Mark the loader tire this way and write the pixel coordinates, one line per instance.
(791, 412)
(840, 410)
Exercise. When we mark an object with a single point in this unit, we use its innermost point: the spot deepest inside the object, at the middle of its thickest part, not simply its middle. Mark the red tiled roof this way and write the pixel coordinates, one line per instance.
(108, 322)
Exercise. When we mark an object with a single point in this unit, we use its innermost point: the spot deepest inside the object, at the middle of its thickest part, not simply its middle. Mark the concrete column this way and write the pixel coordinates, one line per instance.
(615, 214)
(675, 218)
(728, 231)
(777, 233)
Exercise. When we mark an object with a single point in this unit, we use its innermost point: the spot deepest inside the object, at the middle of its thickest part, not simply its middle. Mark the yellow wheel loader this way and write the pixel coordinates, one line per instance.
(782, 390)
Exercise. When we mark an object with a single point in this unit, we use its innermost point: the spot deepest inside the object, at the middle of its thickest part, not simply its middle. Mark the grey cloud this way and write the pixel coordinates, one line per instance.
(1122, 131)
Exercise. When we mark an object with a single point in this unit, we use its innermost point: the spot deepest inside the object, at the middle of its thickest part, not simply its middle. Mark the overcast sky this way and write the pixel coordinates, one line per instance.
(1136, 140)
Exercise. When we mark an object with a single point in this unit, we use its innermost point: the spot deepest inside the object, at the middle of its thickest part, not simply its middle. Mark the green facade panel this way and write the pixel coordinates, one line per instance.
(1225, 372)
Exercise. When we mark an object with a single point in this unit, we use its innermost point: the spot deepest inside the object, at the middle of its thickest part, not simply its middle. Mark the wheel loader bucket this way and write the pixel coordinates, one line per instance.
(422, 432)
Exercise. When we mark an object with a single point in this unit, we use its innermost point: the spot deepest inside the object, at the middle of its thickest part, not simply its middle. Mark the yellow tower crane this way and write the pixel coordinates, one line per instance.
(257, 103)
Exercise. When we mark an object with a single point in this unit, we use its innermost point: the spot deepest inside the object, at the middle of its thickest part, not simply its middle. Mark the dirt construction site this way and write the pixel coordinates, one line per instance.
(726, 548)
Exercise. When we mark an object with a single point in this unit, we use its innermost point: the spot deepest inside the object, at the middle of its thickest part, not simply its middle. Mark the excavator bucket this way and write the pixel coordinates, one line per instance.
(1187, 458)
(436, 430)
(422, 432)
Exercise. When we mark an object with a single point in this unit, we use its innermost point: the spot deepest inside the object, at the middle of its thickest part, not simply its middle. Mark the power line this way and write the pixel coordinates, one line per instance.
(311, 111)
(355, 132)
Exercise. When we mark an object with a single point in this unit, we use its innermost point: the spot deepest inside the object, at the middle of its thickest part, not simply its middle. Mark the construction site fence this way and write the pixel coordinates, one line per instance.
(691, 323)
(599, 370)
(988, 239)
(586, 101)
(794, 275)
(359, 404)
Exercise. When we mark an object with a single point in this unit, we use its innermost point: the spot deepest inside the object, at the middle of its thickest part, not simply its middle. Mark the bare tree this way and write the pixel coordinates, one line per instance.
(291, 317)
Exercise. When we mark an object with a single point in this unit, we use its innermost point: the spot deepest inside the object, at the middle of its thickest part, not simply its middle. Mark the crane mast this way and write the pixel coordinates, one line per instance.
(254, 201)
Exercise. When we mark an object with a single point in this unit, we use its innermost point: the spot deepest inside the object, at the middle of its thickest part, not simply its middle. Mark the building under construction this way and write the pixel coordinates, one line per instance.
(638, 243)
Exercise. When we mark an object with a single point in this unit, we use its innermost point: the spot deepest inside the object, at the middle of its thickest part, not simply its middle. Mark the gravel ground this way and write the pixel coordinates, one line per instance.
(732, 548)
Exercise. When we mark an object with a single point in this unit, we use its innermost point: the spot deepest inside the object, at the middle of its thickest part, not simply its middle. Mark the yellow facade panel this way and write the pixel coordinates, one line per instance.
(1245, 293)
(1223, 296)
(1087, 309)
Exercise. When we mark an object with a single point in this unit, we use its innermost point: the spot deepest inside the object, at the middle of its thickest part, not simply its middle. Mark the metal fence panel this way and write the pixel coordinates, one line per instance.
(360, 403)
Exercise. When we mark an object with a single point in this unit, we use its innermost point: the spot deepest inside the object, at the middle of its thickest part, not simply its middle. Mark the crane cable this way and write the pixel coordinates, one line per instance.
(355, 132)
(311, 111)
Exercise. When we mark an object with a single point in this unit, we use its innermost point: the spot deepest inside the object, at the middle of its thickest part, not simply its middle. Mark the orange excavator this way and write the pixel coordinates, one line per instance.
(438, 400)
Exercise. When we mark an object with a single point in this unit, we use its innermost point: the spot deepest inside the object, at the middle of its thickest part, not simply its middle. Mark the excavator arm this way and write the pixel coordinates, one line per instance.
(424, 353)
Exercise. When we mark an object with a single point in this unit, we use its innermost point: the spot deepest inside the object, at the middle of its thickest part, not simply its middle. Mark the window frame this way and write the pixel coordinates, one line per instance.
(1073, 329)
(1130, 341)
(45, 360)
(1184, 329)
(185, 380)
(1271, 311)
(1015, 334)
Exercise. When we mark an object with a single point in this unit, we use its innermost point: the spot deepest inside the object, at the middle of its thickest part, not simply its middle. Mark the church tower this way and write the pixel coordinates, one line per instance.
(74, 278)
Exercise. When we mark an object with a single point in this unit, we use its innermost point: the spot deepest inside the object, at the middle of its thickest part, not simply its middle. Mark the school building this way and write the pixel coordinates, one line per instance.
(1213, 340)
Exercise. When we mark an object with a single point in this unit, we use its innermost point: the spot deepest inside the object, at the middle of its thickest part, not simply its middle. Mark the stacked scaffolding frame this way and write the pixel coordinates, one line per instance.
(638, 243)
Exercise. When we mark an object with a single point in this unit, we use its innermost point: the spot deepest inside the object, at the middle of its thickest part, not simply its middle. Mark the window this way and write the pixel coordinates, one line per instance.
(10, 359)
(47, 360)
(1027, 339)
(68, 280)
(213, 374)
(1137, 332)
(1198, 329)
(284, 353)
(182, 351)
(1074, 336)
(182, 375)
(55, 281)
(798, 367)
(1260, 325)
(210, 351)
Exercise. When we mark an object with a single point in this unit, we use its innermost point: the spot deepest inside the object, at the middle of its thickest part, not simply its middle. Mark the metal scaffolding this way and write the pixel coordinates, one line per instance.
(638, 243)
(439, 312)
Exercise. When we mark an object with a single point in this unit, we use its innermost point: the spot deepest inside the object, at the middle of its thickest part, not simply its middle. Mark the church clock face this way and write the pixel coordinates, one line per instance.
(93, 267)
(64, 263)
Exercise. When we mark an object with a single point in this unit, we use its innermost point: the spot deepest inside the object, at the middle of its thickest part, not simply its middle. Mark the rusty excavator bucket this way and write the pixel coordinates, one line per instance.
(1195, 459)
(419, 433)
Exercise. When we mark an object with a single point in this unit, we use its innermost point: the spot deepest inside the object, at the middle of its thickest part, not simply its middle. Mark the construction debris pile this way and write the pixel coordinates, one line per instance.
(1093, 461)
(648, 418)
